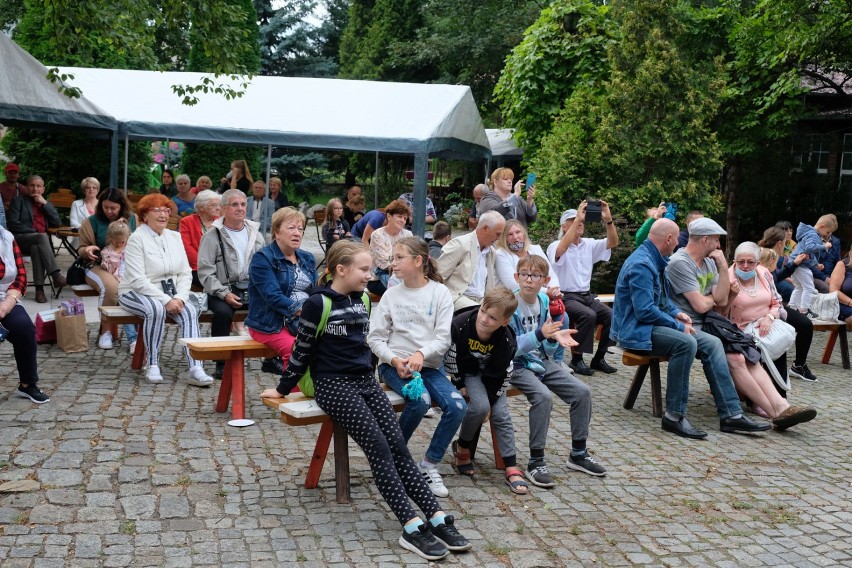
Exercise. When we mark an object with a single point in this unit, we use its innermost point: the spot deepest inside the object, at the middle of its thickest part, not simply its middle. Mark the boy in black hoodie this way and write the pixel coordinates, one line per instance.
(480, 362)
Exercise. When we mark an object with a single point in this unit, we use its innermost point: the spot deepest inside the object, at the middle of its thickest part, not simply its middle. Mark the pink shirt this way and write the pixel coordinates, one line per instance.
(745, 309)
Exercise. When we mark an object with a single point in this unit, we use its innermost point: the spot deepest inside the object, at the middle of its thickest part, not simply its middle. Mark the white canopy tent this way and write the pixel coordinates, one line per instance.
(330, 114)
(503, 146)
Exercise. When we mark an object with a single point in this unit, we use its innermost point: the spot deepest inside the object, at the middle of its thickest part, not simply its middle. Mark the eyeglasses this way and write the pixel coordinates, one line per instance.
(528, 276)
(401, 257)
(746, 263)
(159, 210)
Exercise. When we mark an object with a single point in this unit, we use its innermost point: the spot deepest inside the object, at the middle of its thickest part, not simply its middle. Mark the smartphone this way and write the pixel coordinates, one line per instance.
(593, 211)
(530, 180)
(671, 211)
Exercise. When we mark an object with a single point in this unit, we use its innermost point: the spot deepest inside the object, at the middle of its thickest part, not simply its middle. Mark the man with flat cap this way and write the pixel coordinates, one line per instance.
(693, 274)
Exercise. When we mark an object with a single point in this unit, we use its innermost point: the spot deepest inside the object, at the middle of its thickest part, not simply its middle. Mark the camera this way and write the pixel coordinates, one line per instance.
(169, 287)
(593, 211)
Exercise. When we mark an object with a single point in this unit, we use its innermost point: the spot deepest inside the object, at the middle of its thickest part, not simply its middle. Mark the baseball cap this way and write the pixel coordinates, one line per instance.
(12, 168)
(570, 214)
(705, 227)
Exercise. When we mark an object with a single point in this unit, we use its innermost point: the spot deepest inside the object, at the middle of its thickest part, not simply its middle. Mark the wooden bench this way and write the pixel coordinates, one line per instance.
(298, 410)
(643, 363)
(836, 330)
(233, 350)
(117, 315)
(83, 290)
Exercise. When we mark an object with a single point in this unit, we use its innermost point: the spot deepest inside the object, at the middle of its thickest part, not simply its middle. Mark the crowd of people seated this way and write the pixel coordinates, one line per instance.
(488, 309)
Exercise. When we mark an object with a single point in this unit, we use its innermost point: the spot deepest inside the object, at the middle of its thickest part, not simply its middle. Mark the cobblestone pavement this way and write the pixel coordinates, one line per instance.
(133, 474)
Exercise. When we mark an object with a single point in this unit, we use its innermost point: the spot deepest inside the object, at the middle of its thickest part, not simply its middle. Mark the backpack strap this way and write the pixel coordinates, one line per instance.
(326, 310)
(365, 297)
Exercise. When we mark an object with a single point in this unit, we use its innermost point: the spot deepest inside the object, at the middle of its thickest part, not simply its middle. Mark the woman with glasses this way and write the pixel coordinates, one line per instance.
(193, 227)
(382, 241)
(156, 285)
(280, 276)
(753, 299)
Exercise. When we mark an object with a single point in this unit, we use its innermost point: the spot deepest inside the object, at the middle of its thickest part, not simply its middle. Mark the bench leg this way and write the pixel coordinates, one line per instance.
(320, 452)
(225, 388)
(635, 386)
(844, 348)
(656, 390)
(829, 347)
(139, 354)
(498, 457)
(238, 389)
(341, 464)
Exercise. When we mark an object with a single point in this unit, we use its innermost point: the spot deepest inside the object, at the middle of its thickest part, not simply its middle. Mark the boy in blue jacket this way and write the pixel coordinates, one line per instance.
(811, 241)
(536, 374)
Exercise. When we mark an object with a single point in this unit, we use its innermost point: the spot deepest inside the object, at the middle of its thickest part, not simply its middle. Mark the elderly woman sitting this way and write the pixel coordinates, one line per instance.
(280, 275)
(156, 285)
(16, 324)
(223, 262)
(193, 227)
(753, 299)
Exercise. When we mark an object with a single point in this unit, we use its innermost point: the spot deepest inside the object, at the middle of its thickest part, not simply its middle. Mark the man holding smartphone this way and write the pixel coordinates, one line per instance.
(573, 259)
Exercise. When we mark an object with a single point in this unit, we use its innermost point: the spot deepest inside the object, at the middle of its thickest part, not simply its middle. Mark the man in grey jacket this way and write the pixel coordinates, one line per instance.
(29, 217)
(224, 256)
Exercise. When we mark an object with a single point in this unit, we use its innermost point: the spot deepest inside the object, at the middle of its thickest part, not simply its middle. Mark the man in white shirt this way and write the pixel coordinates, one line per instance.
(573, 259)
(467, 262)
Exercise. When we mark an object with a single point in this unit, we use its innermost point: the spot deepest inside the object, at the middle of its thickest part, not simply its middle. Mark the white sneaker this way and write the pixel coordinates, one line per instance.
(433, 479)
(153, 374)
(198, 377)
(105, 340)
(133, 347)
(430, 413)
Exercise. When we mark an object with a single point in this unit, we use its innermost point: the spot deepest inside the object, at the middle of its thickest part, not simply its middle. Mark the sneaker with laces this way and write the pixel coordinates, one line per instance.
(153, 374)
(423, 543)
(105, 340)
(433, 479)
(538, 475)
(447, 534)
(803, 372)
(198, 378)
(586, 464)
(133, 347)
(811, 315)
(33, 393)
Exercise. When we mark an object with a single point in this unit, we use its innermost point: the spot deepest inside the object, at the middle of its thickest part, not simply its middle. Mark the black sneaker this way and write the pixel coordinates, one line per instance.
(33, 393)
(446, 533)
(602, 366)
(586, 464)
(273, 365)
(220, 370)
(803, 372)
(580, 368)
(538, 475)
(423, 543)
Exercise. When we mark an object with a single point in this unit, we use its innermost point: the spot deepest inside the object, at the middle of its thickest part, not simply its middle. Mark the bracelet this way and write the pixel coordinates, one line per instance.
(608, 223)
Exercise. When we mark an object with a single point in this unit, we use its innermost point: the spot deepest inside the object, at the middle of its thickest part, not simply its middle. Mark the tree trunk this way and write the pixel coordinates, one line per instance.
(731, 181)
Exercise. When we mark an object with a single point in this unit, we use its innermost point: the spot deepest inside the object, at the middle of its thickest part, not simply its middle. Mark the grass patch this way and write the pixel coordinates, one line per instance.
(742, 505)
(500, 552)
(127, 527)
(183, 481)
(692, 504)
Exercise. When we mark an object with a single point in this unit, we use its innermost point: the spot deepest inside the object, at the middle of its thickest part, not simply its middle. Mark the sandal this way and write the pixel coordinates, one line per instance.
(463, 455)
(518, 486)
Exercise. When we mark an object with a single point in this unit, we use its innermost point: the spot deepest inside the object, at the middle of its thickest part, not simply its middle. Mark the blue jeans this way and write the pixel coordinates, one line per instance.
(442, 391)
(680, 348)
(712, 355)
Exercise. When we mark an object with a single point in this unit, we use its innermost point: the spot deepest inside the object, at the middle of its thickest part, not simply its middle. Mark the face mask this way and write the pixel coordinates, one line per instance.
(742, 275)
(515, 247)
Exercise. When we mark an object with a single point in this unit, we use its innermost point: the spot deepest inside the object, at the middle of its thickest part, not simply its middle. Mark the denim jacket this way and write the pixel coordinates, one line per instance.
(642, 299)
(271, 280)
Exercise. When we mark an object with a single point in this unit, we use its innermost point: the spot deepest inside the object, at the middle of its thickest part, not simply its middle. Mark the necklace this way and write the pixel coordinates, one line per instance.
(751, 292)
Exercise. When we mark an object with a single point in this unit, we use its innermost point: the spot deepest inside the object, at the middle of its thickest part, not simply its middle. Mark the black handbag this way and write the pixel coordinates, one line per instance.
(238, 289)
(76, 275)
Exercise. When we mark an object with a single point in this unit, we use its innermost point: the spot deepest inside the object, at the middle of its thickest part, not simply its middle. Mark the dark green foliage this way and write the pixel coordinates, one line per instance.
(204, 54)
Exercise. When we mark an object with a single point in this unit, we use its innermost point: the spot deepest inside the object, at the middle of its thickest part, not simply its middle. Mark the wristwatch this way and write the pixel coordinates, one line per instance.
(608, 223)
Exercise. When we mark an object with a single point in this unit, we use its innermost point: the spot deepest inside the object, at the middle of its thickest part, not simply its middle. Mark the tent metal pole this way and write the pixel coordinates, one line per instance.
(268, 166)
(421, 169)
(376, 184)
(113, 159)
(126, 159)
(166, 154)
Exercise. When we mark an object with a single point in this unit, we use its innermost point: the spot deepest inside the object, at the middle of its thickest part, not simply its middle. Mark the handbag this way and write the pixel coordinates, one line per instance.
(238, 289)
(826, 306)
(76, 275)
(774, 344)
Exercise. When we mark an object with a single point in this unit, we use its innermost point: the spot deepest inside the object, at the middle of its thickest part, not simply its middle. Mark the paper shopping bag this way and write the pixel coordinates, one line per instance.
(45, 326)
(71, 332)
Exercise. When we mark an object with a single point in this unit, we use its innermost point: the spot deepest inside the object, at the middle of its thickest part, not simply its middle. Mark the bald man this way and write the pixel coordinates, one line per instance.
(473, 217)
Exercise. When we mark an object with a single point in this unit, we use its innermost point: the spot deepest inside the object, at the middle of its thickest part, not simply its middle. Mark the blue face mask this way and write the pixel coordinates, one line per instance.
(742, 275)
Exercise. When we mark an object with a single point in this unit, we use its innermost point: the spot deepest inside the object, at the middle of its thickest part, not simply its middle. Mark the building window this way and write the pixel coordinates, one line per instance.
(846, 156)
(811, 151)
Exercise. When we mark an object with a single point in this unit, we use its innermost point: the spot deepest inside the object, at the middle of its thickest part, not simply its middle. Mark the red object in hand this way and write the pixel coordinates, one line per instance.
(557, 308)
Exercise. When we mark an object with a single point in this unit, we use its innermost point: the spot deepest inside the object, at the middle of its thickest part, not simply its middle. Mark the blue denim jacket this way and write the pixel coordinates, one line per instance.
(271, 280)
(642, 299)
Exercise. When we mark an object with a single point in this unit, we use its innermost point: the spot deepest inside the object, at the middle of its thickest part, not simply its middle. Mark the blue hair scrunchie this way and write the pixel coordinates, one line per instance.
(413, 390)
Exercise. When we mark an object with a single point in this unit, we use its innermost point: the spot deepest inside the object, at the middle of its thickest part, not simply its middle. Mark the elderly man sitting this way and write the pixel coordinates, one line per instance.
(29, 217)
(467, 262)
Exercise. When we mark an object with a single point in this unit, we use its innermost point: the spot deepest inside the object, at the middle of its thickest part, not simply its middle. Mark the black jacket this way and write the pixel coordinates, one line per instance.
(733, 338)
(460, 361)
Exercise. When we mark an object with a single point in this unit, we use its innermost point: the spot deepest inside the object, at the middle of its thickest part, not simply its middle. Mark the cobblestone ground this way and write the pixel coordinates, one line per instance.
(133, 474)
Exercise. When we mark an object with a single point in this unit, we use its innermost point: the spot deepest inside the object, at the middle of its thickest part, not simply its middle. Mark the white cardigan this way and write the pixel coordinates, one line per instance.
(79, 213)
(151, 258)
